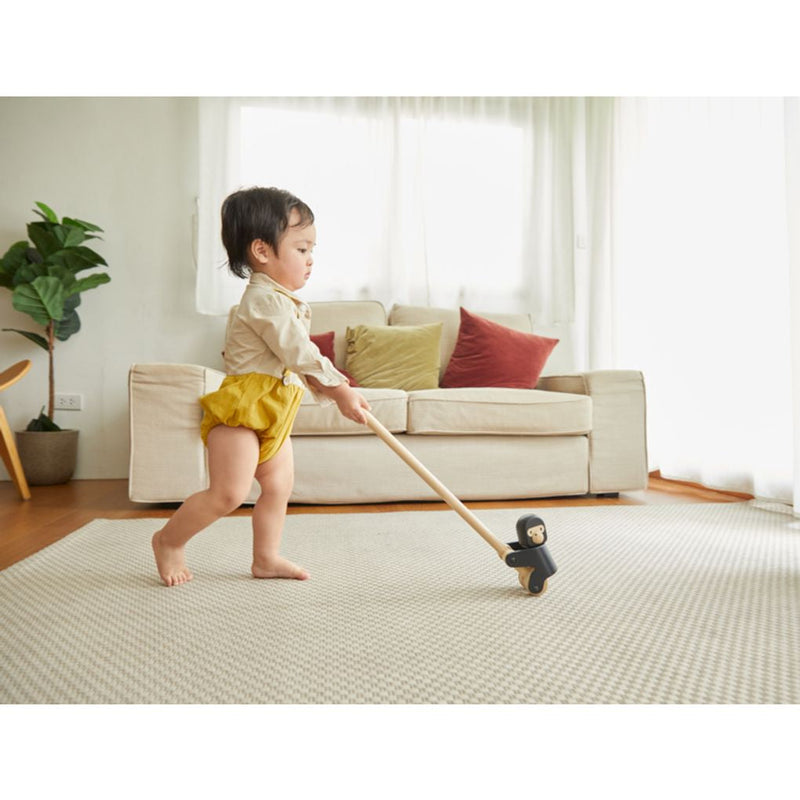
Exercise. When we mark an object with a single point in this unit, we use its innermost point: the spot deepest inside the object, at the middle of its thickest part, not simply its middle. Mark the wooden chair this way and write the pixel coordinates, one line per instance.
(8, 447)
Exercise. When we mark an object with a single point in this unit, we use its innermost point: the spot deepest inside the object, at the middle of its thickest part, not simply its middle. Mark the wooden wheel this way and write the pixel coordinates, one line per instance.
(525, 575)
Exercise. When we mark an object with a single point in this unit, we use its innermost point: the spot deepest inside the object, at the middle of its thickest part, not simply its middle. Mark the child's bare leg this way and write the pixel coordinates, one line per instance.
(276, 478)
(232, 459)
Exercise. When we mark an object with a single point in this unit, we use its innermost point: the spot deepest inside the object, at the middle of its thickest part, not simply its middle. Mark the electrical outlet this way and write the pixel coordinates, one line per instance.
(69, 402)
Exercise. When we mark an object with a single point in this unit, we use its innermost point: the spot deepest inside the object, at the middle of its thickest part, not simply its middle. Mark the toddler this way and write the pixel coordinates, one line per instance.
(269, 236)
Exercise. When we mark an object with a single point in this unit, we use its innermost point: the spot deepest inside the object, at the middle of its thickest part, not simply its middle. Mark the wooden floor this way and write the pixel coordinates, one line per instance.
(56, 511)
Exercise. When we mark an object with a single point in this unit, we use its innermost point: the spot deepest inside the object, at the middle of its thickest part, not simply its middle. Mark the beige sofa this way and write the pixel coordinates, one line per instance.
(572, 435)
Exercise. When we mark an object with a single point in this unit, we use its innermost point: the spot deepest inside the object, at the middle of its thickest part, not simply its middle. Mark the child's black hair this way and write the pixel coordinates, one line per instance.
(257, 213)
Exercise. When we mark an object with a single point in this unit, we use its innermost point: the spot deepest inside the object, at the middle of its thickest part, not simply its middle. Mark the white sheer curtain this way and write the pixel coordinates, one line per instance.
(219, 174)
(483, 202)
(792, 127)
(703, 279)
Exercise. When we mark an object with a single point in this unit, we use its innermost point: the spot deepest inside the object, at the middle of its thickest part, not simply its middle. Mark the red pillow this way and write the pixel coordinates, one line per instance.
(325, 343)
(490, 354)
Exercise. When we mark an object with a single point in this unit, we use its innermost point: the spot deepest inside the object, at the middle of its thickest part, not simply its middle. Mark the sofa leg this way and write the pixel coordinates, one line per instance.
(611, 495)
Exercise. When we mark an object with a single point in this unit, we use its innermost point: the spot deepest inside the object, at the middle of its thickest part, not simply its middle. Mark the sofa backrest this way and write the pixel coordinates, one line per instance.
(338, 315)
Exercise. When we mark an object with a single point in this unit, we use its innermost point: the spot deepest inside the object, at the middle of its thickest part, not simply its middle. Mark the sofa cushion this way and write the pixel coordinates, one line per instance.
(325, 342)
(490, 354)
(388, 405)
(451, 320)
(526, 412)
(338, 315)
(394, 357)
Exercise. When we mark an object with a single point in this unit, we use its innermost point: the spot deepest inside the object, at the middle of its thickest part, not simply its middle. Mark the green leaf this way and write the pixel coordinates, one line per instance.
(70, 323)
(87, 226)
(71, 302)
(14, 258)
(15, 255)
(28, 274)
(90, 255)
(34, 337)
(69, 259)
(90, 282)
(77, 258)
(74, 237)
(48, 214)
(42, 423)
(66, 276)
(44, 238)
(43, 299)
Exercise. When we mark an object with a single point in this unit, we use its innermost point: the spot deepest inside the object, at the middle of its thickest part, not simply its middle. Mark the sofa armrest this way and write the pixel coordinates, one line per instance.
(168, 460)
(618, 441)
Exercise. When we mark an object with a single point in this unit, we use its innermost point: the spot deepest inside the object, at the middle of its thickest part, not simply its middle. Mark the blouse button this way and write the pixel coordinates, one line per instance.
(286, 380)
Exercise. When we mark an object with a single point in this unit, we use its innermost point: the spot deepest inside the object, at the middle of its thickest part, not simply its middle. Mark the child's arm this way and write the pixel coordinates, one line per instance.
(272, 316)
(349, 401)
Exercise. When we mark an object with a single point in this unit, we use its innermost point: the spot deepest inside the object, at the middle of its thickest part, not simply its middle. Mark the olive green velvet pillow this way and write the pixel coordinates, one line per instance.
(394, 356)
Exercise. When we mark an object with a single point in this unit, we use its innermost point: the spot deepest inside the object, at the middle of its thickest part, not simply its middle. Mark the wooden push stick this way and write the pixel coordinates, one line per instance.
(524, 574)
(435, 484)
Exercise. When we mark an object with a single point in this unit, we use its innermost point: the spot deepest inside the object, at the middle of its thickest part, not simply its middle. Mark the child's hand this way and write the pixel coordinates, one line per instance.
(350, 403)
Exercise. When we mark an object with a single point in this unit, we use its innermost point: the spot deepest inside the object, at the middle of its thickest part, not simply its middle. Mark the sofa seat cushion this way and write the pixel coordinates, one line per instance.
(388, 405)
(492, 411)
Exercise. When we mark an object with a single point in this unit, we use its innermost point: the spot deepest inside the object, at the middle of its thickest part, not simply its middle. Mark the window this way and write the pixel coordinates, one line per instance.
(409, 208)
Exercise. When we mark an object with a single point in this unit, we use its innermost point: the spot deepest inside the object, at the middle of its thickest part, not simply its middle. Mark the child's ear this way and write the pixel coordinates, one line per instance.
(260, 252)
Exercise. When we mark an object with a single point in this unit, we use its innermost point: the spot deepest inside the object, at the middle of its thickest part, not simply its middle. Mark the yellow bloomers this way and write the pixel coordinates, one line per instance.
(263, 403)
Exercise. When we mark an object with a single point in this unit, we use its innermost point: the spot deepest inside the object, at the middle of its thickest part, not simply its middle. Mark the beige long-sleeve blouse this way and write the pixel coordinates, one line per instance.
(269, 333)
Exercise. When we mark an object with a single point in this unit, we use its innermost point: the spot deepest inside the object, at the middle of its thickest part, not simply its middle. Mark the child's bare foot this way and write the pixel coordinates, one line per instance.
(170, 563)
(278, 568)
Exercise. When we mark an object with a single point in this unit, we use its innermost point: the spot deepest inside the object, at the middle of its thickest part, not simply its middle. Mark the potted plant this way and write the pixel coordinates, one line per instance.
(43, 275)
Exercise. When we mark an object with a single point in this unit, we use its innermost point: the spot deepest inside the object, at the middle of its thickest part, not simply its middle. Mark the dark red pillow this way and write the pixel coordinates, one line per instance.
(490, 354)
(325, 343)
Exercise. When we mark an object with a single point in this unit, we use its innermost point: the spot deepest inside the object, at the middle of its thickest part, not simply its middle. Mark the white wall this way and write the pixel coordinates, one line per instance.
(130, 166)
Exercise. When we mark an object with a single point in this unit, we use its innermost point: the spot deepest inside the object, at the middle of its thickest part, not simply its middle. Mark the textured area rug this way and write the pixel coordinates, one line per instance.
(650, 604)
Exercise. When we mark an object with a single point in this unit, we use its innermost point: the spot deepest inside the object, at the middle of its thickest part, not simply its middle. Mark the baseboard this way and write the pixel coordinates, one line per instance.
(740, 495)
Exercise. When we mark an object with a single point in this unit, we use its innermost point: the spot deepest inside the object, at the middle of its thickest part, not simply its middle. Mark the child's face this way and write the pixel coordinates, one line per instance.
(291, 265)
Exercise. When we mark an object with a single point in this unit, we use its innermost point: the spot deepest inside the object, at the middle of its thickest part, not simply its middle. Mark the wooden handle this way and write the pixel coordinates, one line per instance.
(437, 486)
